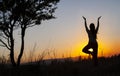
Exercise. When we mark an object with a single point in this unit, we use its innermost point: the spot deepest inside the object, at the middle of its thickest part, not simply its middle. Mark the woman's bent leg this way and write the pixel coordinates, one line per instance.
(86, 49)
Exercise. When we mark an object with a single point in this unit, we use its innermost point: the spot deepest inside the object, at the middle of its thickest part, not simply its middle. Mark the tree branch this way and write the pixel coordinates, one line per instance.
(4, 44)
(4, 37)
(7, 39)
(31, 25)
(9, 42)
(6, 33)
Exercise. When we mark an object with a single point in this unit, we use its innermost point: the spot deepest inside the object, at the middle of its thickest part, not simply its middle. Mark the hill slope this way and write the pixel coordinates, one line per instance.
(107, 67)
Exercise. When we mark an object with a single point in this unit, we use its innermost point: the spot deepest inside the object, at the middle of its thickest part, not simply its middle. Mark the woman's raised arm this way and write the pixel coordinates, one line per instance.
(85, 24)
(98, 24)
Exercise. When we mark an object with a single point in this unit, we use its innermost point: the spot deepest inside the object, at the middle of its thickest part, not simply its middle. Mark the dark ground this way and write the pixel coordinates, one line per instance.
(107, 67)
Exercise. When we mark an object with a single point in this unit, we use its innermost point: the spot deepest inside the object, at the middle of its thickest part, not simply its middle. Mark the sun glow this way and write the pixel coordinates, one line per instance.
(102, 49)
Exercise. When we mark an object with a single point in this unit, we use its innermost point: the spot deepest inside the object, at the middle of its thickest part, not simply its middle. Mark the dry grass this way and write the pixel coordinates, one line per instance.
(107, 67)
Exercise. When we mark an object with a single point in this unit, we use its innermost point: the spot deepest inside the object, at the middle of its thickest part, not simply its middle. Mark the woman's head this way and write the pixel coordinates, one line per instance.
(92, 27)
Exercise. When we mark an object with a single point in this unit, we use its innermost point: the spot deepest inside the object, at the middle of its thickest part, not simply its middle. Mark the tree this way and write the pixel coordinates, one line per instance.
(22, 14)
(7, 25)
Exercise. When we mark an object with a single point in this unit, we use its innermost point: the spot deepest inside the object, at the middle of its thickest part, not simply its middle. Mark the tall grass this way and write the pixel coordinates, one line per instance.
(38, 66)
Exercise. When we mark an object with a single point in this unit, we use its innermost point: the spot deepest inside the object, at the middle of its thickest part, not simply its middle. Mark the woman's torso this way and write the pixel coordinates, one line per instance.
(92, 38)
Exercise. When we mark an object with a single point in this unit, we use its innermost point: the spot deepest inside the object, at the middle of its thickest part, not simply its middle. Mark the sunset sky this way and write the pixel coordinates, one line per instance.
(66, 34)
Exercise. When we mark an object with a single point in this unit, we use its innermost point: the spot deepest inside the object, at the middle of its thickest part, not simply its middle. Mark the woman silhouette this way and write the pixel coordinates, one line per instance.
(92, 35)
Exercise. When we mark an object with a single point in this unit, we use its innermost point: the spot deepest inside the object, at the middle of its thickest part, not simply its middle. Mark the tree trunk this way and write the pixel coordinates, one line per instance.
(12, 58)
(22, 47)
(12, 49)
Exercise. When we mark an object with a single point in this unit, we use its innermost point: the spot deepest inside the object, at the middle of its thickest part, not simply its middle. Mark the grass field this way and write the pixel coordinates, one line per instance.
(107, 67)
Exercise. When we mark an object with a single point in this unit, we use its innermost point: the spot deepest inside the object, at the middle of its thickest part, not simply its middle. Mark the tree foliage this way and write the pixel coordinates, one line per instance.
(22, 14)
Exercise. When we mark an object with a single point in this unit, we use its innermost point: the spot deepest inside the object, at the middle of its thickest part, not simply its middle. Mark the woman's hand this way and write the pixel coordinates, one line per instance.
(99, 17)
(84, 18)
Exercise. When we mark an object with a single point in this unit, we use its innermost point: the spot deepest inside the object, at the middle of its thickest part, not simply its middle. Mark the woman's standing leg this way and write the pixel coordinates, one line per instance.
(95, 52)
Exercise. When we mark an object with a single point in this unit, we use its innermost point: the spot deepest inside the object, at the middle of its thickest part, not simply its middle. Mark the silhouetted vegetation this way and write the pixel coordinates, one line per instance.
(83, 67)
(22, 14)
